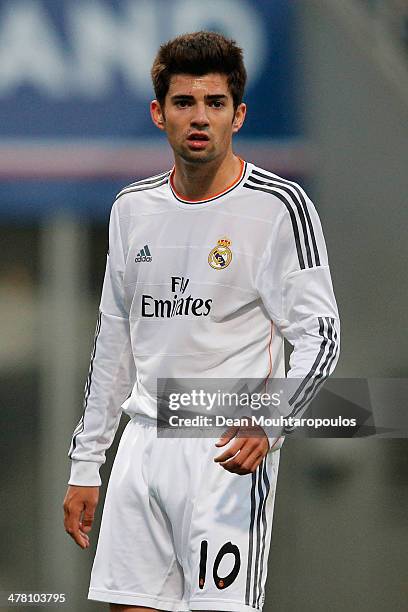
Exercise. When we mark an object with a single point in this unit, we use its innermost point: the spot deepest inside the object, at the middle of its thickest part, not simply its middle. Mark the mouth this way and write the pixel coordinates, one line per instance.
(198, 140)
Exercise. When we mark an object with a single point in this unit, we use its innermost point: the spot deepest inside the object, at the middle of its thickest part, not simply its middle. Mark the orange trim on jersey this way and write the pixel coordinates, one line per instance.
(216, 195)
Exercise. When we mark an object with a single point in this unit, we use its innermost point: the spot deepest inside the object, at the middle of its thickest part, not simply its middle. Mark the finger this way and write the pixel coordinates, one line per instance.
(71, 518)
(86, 525)
(72, 526)
(230, 451)
(227, 436)
(78, 536)
(87, 518)
(82, 539)
(248, 466)
(248, 443)
(239, 458)
(253, 462)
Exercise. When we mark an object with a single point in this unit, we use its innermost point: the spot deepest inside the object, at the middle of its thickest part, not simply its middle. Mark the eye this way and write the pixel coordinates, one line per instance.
(182, 103)
(217, 104)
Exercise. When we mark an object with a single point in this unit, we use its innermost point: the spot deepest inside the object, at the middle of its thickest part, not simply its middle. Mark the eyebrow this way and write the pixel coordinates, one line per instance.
(189, 97)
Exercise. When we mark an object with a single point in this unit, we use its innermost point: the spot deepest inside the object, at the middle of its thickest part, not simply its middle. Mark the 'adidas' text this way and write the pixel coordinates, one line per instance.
(144, 255)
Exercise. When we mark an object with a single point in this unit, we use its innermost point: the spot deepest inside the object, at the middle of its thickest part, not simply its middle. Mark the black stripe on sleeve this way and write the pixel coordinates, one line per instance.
(300, 194)
(142, 187)
(80, 427)
(325, 365)
(89, 379)
(329, 344)
(276, 188)
(148, 181)
(315, 363)
(292, 218)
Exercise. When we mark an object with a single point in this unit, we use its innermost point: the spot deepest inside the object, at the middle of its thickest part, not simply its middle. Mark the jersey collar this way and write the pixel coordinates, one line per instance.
(192, 203)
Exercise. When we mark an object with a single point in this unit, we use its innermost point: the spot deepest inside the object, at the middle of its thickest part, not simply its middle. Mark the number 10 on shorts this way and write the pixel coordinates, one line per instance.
(221, 582)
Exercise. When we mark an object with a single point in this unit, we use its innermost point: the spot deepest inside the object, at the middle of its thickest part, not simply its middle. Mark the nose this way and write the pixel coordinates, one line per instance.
(200, 118)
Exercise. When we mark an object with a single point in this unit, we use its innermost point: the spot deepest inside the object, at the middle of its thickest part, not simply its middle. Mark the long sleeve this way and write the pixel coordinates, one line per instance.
(111, 372)
(295, 285)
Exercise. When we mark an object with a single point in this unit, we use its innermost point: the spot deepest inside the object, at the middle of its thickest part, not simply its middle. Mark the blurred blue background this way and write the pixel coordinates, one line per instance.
(328, 106)
(75, 90)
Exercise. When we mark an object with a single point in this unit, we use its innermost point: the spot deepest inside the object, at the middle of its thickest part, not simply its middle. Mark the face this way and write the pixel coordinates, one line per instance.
(198, 117)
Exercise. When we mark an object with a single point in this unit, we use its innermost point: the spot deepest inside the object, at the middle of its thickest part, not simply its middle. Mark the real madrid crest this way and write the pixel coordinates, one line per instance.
(220, 257)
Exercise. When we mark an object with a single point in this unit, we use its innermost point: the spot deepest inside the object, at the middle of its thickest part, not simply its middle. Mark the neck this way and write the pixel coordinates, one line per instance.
(202, 181)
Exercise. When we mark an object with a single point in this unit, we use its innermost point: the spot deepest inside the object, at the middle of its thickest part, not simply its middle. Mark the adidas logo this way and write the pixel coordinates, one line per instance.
(144, 255)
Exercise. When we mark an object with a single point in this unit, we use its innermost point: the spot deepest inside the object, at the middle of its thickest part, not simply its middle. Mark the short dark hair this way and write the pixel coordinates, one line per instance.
(199, 53)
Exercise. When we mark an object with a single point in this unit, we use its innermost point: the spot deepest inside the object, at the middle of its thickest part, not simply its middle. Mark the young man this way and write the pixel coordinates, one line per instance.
(210, 265)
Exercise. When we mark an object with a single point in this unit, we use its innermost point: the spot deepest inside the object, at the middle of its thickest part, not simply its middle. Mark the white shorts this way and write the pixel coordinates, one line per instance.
(178, 531)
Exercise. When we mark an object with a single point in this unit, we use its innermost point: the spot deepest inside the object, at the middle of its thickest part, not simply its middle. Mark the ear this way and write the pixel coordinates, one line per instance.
(157, 115)
(239, 118)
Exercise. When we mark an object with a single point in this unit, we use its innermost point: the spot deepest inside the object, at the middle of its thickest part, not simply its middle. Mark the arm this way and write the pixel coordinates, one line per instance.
(295, 285)
(111, 372)
(110, 380)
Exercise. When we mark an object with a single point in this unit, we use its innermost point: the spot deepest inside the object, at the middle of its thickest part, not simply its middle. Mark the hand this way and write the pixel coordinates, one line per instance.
(79, 511)
(246, 452)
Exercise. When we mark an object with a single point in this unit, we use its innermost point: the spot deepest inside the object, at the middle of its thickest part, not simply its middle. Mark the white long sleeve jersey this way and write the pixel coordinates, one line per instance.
(209, 288)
